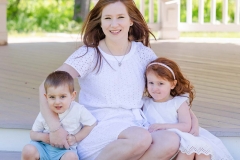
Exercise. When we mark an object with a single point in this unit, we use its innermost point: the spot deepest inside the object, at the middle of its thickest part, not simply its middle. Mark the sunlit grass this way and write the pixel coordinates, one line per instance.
(211, 34)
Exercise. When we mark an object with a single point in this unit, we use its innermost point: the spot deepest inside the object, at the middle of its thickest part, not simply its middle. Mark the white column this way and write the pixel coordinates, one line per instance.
(151, 12)
(189, 11)
(170, 18)
(142, 7)
(237, 12)
(213, 12)
(201, 12)
(3, 22)
(225, 12)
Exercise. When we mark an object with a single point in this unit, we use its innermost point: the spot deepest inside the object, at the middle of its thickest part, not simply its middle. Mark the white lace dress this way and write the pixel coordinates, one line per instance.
(205, 143)
(113, 95)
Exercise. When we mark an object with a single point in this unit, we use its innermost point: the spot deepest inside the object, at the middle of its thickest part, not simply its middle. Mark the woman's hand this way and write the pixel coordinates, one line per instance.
(155, 127)
(45, 138)
(71, 139)
(59, 138)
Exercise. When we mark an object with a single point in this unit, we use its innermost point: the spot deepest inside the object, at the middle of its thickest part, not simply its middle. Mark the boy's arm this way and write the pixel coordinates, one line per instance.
(83, 133)
(195, 125)
(39, 136)
(80, 135)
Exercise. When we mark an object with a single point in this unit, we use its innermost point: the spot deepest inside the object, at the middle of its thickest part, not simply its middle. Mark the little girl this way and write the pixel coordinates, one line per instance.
(167, 106)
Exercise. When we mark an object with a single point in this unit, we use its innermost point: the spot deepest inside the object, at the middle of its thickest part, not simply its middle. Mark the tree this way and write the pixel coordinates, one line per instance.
(81, 9)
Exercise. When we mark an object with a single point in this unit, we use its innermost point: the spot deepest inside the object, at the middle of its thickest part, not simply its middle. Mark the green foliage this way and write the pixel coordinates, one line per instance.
(56, 15)
(41, 16)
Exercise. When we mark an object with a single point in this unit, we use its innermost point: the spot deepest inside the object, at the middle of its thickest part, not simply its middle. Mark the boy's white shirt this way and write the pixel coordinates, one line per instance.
(72, 119)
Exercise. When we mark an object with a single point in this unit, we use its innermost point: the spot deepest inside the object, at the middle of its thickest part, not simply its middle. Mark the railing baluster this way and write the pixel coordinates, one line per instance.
(189, 11)
(225, 11)
(213, 12)
(237, 12)
(159, 12)
(151, 12)
(142, 7)
(201, 12)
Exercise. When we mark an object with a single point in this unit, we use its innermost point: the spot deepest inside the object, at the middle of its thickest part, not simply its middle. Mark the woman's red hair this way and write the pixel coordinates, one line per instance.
(93, 34)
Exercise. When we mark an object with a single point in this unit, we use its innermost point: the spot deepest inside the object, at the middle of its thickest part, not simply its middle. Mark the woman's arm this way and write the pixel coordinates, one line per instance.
(184, 121)
(57, 134)
(195, 125)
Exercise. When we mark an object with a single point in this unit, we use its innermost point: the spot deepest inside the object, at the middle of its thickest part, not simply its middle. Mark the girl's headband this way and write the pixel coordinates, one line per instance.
(164, 65)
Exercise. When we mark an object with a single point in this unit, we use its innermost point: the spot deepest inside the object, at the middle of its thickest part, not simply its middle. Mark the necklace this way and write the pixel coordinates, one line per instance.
(119, 62)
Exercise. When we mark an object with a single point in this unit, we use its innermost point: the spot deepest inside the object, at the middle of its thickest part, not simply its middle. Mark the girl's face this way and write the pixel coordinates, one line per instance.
(59, 98)
(115, 21)
(158, 87)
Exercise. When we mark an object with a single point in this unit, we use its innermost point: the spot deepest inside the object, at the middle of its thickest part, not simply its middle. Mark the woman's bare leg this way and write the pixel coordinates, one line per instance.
(202, 157)
(130, 145)
(164, 145)
(183, 156)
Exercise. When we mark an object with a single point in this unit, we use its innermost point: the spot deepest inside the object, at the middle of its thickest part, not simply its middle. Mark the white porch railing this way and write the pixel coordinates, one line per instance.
(3, 22)
(168, 18)
(213, 26)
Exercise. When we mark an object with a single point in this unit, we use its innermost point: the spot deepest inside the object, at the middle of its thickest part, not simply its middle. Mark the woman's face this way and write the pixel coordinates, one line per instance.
(115, 21)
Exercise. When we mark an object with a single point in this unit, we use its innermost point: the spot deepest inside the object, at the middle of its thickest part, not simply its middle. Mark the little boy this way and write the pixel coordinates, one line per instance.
(74, 118)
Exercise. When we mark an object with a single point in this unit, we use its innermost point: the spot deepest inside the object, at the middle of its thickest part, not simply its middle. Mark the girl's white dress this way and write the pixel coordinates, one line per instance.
(205, 143)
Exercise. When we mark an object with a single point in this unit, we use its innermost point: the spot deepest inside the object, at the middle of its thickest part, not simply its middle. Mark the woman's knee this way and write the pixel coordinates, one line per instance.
(143, 140)
(30, 152)
(139, 139)
(70, 155)
(167, 142)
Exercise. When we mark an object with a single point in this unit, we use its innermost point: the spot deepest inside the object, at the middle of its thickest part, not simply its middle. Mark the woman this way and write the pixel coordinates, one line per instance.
(110, 69)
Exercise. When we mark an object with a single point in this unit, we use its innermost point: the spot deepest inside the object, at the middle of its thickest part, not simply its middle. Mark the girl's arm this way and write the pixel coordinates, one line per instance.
(184, 121)
(39, 136)
(195, 125)
(83, 133)
(57, 134)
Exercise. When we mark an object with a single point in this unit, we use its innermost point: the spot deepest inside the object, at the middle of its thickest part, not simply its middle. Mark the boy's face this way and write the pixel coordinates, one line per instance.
(59, 98)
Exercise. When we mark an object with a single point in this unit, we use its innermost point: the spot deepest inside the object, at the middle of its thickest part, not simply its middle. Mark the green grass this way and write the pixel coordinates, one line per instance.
(183, 34)
(211, 34)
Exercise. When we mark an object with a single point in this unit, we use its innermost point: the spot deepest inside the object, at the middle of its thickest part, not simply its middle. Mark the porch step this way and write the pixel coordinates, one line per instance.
(13, 140)
(10, 155)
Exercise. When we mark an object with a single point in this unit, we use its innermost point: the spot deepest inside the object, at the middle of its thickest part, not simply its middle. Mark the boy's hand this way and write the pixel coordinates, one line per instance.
(71, 139)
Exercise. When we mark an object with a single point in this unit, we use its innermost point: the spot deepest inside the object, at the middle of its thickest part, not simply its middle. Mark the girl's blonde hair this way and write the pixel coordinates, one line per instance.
(183, 84)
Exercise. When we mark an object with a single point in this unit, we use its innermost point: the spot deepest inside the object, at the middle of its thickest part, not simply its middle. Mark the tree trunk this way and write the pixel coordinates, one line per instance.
(81, 9)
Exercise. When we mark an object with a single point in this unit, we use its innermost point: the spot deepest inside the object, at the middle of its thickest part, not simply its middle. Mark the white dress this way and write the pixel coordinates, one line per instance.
(113, 95)
(205, 143)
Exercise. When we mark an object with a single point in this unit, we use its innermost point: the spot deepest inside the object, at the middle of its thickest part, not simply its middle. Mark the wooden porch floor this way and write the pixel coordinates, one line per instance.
(214, 69)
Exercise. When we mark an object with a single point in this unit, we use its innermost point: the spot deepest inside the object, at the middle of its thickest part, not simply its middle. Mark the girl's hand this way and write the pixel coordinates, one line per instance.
(71, 139)
(45, 138)
(194, 130)
(195, 125)
(155, 127)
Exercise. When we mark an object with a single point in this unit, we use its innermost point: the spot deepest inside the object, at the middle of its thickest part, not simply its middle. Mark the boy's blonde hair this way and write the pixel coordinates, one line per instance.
(59, 78)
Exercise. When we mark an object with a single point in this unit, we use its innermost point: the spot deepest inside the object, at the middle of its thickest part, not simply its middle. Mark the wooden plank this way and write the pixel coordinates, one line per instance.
(212, 68)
